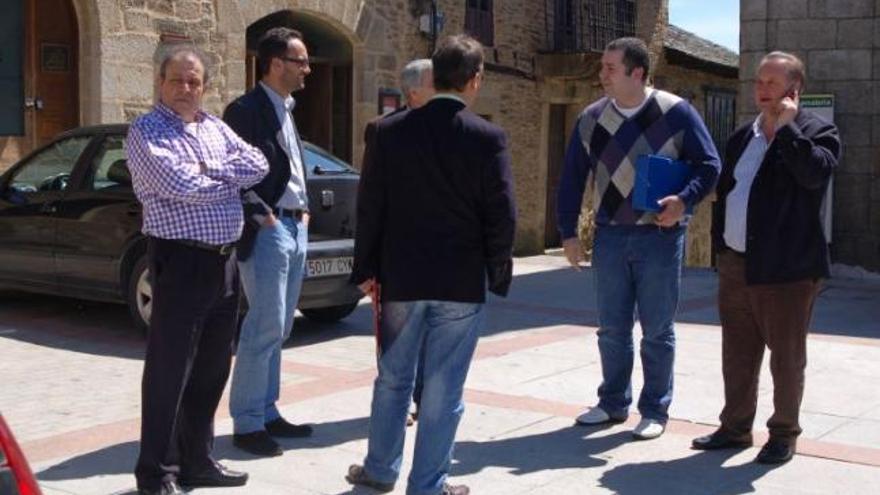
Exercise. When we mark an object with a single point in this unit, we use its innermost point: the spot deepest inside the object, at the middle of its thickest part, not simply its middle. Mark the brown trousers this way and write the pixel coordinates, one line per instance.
(773, 315)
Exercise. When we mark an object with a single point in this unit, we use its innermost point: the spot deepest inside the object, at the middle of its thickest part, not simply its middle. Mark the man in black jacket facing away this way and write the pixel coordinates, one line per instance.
(772, 253)
(435, 219)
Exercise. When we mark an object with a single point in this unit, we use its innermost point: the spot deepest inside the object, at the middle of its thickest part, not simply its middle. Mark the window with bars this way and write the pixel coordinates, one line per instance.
(608, 20)
(479, 21)
(720, 115)
(588, 25)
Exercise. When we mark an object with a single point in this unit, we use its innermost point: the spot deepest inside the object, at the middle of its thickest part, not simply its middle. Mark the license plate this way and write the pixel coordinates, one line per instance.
(325, 267)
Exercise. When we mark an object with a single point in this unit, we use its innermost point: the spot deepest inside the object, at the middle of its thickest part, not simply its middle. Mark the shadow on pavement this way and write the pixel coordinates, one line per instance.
(115, 459)
(703, 473)
(563, 296)
(121, 458)
(325, 435)
(547, 298)
(567, 448)
(70, 324)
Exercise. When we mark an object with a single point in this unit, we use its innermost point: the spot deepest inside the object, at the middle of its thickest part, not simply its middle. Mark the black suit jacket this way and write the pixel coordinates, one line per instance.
(784, 236)
(252, 116)
(436, 212)
(369, 135)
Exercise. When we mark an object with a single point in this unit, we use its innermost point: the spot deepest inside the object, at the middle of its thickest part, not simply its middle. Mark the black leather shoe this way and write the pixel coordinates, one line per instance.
(257, 443)
(167, 488)
(722, 439)
(775, 452)
(281, 428)
(214, 475)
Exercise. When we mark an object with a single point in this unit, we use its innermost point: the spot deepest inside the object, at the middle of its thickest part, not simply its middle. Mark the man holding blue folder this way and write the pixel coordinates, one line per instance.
(637, 253)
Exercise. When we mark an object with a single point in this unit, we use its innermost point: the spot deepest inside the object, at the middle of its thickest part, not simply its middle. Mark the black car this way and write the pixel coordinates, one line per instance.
(70, 225)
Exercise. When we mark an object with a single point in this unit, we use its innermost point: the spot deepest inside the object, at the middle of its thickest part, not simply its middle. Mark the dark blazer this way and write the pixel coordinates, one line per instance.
(370, 134)
(252, 116)
(436, 212)
(785, 240)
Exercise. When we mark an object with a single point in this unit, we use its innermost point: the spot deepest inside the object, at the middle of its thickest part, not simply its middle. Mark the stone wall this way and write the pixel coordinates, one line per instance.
(840, 45)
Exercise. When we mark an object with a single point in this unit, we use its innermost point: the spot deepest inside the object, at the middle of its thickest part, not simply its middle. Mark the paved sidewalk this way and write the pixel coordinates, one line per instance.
(71, 372)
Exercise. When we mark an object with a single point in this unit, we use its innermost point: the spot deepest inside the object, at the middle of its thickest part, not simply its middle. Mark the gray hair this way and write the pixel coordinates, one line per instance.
(167, 53)
(413, 74)
(794, 67)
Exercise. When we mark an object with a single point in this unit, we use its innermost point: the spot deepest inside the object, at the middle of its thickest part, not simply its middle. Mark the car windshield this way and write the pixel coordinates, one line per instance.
(50, 169)
(321, 162)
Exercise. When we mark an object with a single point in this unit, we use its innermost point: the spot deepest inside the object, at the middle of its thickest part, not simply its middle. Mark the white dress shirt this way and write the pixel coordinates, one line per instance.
(737, 206)
(294, 197)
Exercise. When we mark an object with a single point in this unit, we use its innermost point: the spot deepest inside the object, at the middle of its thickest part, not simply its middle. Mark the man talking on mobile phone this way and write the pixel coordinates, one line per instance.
(772, 253)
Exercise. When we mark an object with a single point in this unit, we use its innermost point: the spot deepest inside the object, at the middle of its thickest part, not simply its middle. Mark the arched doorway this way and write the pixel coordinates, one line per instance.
(324, 107)
(39, 74)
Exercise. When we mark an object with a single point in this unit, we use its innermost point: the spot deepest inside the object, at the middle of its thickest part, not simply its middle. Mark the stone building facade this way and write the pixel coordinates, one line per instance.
(103, 58)
(840, 44)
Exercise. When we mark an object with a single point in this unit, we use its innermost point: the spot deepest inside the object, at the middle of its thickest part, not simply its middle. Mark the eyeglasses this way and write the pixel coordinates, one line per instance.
(302, 61)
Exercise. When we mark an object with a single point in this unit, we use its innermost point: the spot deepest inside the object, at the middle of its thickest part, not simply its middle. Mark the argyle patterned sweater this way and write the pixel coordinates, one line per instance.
(608, 144)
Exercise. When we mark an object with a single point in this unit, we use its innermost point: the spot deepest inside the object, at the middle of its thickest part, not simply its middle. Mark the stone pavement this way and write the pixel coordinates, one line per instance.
(70, 374)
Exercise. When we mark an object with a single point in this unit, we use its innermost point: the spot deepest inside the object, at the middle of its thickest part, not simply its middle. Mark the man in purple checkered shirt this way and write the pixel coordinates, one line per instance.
(188, 169)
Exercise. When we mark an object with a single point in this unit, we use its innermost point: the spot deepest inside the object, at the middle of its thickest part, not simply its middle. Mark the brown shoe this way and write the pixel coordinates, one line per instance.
(722, 439)
(455, 490)
(357, 475)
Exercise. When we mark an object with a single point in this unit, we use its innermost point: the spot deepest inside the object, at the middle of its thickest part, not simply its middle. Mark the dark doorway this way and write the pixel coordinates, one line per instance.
(323, 112)
(555, 155)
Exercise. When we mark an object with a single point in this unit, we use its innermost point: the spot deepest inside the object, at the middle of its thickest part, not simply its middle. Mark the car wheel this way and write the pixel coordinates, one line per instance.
(140, 295)
(329, 314)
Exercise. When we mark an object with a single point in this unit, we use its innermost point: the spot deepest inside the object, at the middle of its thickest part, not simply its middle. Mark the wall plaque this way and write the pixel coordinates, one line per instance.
(389, 100)
(54, 57)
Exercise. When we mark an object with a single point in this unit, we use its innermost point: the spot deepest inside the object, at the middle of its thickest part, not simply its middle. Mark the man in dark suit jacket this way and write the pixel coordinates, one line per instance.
(272, 250)
(417, 86)
(772, 252)
(436, 218)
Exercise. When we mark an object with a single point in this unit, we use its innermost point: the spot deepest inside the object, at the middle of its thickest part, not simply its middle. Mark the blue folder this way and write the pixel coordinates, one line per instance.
(657, 177)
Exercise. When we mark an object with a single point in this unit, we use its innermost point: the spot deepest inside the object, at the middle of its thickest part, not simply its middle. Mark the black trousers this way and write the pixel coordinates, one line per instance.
(189, 352)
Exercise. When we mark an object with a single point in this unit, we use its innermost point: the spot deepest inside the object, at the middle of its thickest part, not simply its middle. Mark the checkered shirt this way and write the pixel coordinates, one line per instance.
(188, 177)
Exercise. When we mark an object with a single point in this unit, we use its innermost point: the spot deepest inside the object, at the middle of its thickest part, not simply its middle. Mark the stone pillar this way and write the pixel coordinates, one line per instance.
(652, 17)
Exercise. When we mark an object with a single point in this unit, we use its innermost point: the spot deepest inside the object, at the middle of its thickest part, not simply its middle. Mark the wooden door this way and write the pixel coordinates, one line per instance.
(52, 76)
(314, 106)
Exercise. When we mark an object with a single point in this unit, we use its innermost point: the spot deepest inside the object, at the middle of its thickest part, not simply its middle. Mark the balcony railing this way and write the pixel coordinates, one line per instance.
(587, 25)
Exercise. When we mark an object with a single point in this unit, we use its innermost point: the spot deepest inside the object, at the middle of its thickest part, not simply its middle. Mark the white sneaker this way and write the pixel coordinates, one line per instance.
(596, 416)
(648, 429)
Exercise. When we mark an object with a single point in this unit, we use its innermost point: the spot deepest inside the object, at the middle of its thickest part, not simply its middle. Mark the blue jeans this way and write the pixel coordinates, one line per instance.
(449, 332)
(272, 278)
(638, 268)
